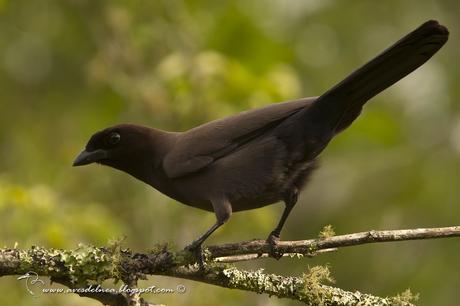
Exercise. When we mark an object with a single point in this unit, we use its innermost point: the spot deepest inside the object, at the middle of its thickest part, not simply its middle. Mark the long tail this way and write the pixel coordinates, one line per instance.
(340, 105)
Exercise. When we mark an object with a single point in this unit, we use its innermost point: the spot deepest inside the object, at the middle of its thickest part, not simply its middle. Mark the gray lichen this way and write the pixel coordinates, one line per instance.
(309, 288)
(86, 263)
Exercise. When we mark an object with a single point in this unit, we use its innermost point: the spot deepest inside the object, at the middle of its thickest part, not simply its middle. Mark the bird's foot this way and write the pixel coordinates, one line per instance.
(197, 251)
(273, 240)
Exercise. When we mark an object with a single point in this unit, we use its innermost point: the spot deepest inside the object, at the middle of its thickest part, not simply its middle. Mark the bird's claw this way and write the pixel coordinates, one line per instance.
(273, 240)
(197, 251)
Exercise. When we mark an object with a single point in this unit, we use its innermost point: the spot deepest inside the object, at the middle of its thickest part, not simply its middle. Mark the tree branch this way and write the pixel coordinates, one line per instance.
(252, 249)
(91, 265)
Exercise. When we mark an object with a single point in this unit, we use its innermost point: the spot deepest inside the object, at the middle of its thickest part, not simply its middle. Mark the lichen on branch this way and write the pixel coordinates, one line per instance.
(87, 264)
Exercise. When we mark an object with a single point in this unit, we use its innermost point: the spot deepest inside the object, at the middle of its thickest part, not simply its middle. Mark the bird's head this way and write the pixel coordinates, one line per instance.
(116, 146)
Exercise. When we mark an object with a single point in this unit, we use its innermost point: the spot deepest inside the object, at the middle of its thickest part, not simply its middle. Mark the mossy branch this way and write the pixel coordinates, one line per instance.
(87, 265)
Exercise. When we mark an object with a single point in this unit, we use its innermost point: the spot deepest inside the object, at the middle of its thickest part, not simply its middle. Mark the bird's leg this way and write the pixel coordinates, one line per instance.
(289, 200)
(223, 210)
(195, 246)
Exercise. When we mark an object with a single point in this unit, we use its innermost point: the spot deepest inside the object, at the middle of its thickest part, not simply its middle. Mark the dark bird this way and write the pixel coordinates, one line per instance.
(261, 156)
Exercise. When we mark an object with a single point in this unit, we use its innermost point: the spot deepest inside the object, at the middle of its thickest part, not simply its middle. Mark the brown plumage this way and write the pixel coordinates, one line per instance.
(260, 156)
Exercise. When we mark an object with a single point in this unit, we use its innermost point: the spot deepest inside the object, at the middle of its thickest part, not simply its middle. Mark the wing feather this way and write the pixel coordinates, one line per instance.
(201, 146)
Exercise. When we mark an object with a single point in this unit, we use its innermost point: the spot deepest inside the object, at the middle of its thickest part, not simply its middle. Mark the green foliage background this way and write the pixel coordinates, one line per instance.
(71, 67)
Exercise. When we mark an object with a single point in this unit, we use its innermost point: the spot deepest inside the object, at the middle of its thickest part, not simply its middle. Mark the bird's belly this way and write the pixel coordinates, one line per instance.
(198, 190)
(194, 198)
(255, 202)
(239, 203)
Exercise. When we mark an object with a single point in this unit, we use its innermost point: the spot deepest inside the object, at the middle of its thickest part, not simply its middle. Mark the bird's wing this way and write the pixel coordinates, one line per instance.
(201, 146)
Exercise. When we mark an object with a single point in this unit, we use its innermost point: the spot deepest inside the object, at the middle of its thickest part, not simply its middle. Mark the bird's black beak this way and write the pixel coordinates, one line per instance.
(86, 157)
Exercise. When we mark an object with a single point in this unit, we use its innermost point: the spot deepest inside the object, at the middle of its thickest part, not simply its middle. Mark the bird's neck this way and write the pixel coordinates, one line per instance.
(147, 166)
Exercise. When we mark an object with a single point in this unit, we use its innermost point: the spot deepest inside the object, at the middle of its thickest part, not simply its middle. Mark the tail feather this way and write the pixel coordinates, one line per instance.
(339, 106)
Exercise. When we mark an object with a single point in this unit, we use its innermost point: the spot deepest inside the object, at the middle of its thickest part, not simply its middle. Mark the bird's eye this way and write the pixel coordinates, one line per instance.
(114, 138)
